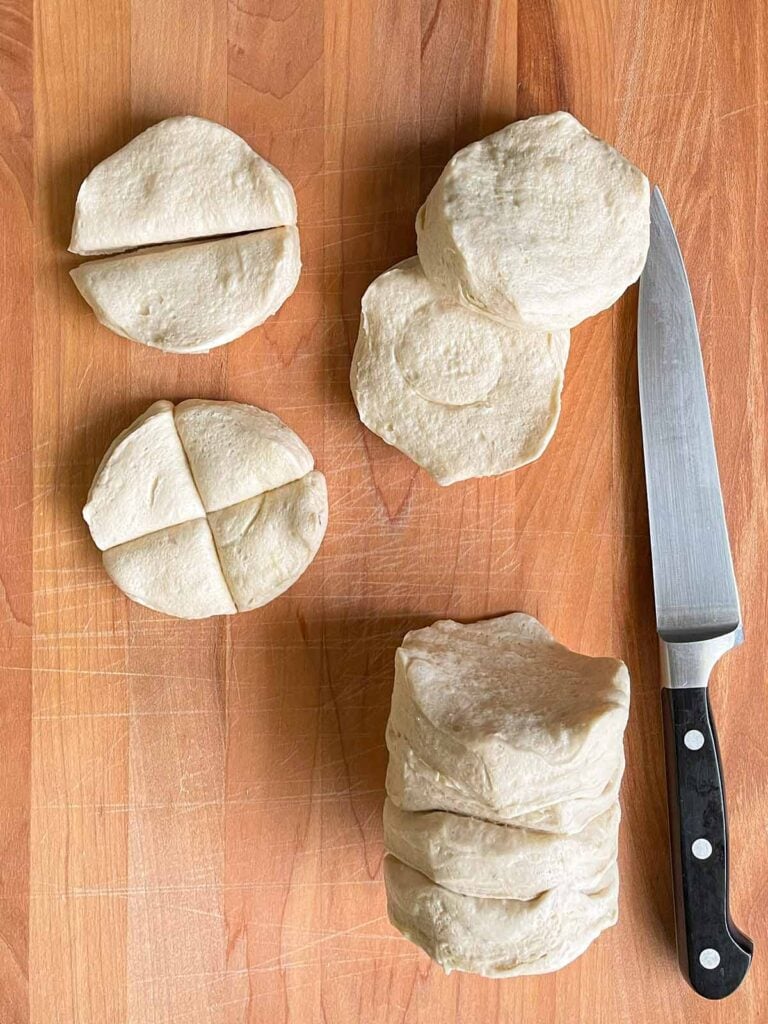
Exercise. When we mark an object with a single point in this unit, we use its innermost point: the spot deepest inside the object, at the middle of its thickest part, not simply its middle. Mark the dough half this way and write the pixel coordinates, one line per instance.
(238, 451)
(267, 542)
(143, 483)
(498, 938)
(461, 394)
(483, 858)
(195, 296)
(414, 785)
(175, 571)
(185, 177)
(509, 716)
(540, 223)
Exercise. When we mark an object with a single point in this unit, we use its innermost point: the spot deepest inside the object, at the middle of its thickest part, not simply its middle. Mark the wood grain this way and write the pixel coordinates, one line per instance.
(190, 812)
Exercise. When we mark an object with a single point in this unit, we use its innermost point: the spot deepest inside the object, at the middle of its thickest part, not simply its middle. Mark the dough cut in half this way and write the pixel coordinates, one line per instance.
(460, 393)
(196, 296)
(259, 528)
(506, 715)
(265, 543)
(482, 858)
(540, 224)
(238, 451)
(498, 938)
(183, 178)
(175, 571)
(143, 483)
(413, 785)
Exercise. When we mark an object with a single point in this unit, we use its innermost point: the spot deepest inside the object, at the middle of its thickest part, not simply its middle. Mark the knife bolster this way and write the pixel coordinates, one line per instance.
(689, 665)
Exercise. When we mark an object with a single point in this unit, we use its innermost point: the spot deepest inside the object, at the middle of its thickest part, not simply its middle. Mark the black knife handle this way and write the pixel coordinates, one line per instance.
(714, 955)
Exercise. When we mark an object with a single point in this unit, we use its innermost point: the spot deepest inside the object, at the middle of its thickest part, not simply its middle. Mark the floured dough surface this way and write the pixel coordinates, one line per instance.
(143, 483)
(540, 223)
(483, 858)
(183, 178)
(460, 393)
(175, 571)
(195, 296)
(508, 716)
(414, 785)
(268, 517)
(265, 543)
(498, 938)
(238, 451)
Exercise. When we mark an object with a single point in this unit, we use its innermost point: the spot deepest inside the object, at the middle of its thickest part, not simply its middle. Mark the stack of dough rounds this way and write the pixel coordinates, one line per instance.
(208, 508)
(461, 353)
(186, 178)
(501, 820)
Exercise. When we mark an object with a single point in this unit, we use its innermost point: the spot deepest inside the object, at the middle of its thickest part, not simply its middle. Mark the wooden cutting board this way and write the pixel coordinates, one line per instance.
(190, 812)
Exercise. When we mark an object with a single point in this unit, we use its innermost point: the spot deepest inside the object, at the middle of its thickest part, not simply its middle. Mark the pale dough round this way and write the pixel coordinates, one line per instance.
(413, 785)
(183, 178)
(195, 296)
(482, 858)
(509, 717)
(461, 394)
(540, 224)
(266, 508)
(498, 938)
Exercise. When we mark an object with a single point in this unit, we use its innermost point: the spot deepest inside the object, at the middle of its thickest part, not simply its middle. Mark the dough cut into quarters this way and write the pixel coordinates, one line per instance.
(541, 224)
(413, 785)
(460, 393)
(265, 543)
(498, 938)
(158, 546)
(508, 716)
(175, 571)
(482, 858)
(143, 483)
(195, 296)
(237, 451)
(183, 178)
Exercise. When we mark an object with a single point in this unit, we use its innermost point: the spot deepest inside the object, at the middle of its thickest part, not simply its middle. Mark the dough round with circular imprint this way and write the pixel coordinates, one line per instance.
(185, 177)
(237, 451)
(483, 858)
(265, 543)
(461, 394)
(157, 536)
(175, 571)
(508, 716)
(541, 224)
(195, 296)
(413, 785)
(498, 938)
(143, 483)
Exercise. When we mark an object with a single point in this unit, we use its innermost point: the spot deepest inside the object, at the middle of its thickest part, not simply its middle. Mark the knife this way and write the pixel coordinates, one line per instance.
(697, 608)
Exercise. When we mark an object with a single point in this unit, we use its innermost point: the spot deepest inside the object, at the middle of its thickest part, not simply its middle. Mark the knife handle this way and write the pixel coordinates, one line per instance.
(714, 955)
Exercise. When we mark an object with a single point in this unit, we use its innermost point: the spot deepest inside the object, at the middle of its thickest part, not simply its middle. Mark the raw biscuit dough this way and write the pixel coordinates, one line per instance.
(509, 717)
(259, 528)
(541, 224)
(175, 571)
(183, 178)
(265, 543)
(482, 858)
(414, 785)
(237, 451)
(498, 938)
(143, 483)
(460, 393)
(195, 296)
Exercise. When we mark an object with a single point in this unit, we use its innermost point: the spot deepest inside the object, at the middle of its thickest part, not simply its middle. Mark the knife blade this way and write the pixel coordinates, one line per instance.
(697, 608)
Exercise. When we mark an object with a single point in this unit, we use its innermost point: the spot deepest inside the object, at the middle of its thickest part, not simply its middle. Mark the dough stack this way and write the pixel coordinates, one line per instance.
(186, 178)
(501, 819)
(461, 353)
